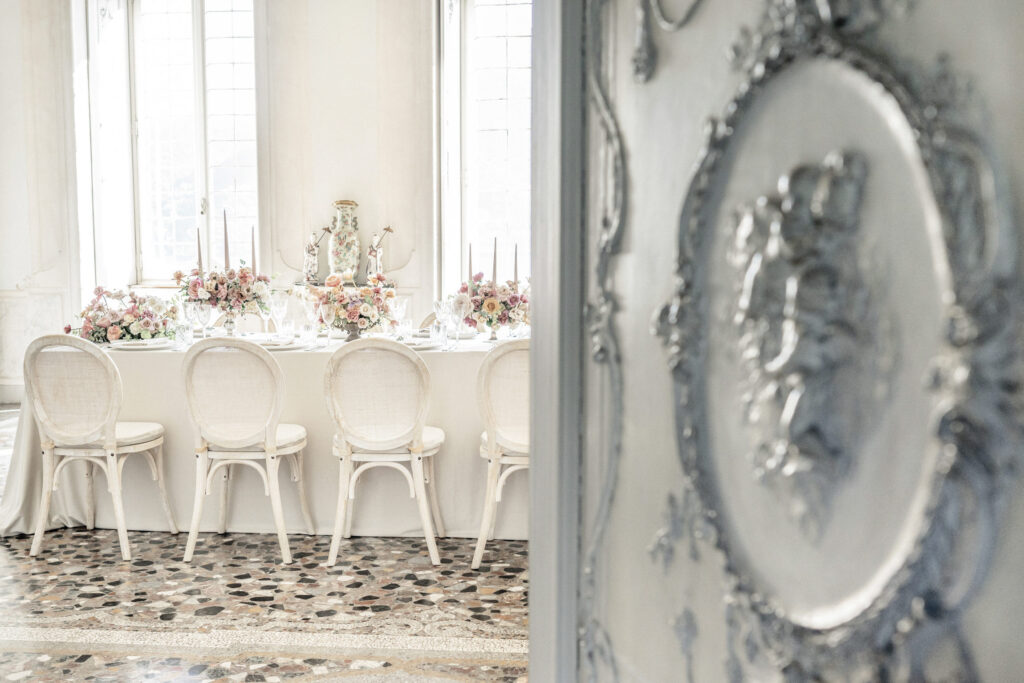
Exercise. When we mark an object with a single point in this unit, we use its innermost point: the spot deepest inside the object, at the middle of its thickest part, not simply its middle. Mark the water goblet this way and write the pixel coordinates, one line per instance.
(328, 312)
(279, 308)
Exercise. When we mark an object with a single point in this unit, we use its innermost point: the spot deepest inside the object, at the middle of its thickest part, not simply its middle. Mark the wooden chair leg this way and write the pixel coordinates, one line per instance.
(90, 500)
(273, 465)
(202, 463)
(435, 507)
(490, 508)
(299, 475)
(114, 485)
(43, 513)
(160, 481)
(225, 485)
(424, 505)
(342, 518)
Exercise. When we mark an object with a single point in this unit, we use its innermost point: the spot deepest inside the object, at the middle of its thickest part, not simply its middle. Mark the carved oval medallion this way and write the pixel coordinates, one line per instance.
(838, 280)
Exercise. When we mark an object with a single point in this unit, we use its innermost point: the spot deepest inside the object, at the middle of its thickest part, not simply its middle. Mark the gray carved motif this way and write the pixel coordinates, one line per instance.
(595, 643)
(645, 54)
(814, 349)
(976, 377)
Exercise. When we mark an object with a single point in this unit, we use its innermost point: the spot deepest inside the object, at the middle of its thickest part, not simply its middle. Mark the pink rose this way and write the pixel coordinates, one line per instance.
(464, 289)
(67, 329)
(104, 321)
(471, 322)
(478, 277)
(513, 300)
(113, 333)
(352, 314)
(193, 288)
(333, 280)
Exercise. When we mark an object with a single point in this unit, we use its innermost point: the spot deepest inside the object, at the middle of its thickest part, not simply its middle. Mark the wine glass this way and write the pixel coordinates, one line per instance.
(328, 312)
(311, 328)
(279, 308)
(191, 313)
(443, 311)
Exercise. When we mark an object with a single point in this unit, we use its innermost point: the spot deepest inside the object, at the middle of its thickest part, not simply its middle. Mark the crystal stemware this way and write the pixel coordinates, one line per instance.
(328, 312)
(279, 308)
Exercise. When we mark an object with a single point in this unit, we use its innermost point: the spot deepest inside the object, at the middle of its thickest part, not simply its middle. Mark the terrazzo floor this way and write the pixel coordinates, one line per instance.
(383, 613)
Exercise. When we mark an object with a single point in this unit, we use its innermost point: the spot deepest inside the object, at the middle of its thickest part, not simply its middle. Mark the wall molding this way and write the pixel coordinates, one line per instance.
(976, 379)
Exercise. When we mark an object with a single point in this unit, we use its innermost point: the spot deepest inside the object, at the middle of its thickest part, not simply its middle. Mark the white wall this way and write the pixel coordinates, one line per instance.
(662, 129)
(346, 112)
(38, 265)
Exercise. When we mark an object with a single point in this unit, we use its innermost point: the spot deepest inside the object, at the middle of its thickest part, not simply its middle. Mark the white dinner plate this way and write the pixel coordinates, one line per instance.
(291, 346)
(425, 345)
(141, 344)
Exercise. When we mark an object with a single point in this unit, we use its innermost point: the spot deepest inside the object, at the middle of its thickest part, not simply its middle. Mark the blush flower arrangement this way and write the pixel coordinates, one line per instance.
(114, 315)
(492, 305)
(235, 291)
(366, 307)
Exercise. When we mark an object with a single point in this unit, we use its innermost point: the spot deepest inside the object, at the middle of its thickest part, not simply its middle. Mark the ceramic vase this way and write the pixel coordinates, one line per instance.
(345, 238)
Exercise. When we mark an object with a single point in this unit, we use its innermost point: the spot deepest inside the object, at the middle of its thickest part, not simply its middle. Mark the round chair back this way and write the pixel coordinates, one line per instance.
(234, 392)
(378, 393)
(503, 393)
(74, 390)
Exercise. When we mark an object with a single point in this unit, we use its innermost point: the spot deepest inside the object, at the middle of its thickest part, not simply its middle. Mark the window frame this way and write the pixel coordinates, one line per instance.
(453, 250)
(201, 169)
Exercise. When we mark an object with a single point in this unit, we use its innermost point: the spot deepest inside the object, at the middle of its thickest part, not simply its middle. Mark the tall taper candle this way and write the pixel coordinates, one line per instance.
(252, 238)
(199, 252)
(494, 266)
(470, 262)
(515, 268)
(226, 260)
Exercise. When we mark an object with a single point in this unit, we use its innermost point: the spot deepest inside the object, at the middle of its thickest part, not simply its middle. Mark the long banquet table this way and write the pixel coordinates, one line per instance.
(154, 391)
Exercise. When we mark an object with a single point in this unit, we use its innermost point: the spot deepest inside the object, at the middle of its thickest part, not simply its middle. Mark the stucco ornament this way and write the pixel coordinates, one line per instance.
(973, 385)
(815, 351)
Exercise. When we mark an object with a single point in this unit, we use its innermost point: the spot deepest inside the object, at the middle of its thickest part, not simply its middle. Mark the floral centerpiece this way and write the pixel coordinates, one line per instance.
(357, 308)
(113, 315)
(234, 292)
(492, 305)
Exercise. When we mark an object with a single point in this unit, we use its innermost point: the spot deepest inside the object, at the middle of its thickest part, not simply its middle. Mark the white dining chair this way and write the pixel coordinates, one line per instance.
(75, 394)
(249, 323)
(235, 394)
(378, 394)
(503, 394)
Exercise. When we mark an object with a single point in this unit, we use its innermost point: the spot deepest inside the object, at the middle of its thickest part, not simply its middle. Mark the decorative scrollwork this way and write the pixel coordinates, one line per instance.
(645, 55)
(595, 642)
(814, 351)
(977, 377)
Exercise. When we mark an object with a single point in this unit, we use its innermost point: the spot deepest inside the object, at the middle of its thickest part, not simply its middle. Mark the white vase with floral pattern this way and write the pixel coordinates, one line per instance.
(345, 238)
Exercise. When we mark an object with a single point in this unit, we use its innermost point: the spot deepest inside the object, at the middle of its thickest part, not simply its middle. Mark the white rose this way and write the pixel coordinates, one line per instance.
(365, 309)
(135, 328)
(261, 289)
(203, 294)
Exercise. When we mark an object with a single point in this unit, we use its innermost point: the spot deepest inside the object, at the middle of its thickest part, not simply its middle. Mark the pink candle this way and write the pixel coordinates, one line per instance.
(226, 259)
(199, 252)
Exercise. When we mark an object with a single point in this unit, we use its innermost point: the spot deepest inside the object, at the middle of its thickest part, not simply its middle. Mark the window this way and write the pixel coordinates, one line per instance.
(186, 71)
(485, 137)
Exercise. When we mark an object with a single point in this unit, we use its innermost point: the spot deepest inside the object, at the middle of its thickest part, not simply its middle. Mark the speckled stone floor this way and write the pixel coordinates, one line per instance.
(383, 613)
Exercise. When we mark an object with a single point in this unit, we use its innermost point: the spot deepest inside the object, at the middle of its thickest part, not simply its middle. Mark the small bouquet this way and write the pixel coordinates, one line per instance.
(492, 305)
(236, 292)
(114, 315)
(365, 307)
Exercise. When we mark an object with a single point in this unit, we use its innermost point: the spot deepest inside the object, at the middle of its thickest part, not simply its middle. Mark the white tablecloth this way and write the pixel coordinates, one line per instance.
(154, 391)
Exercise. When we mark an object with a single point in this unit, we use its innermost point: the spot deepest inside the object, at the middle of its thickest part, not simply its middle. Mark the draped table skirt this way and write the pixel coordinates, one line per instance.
(154, 392)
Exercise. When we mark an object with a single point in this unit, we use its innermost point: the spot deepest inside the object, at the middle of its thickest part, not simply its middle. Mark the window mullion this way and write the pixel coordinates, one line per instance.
(202, 181)
(133, 118)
